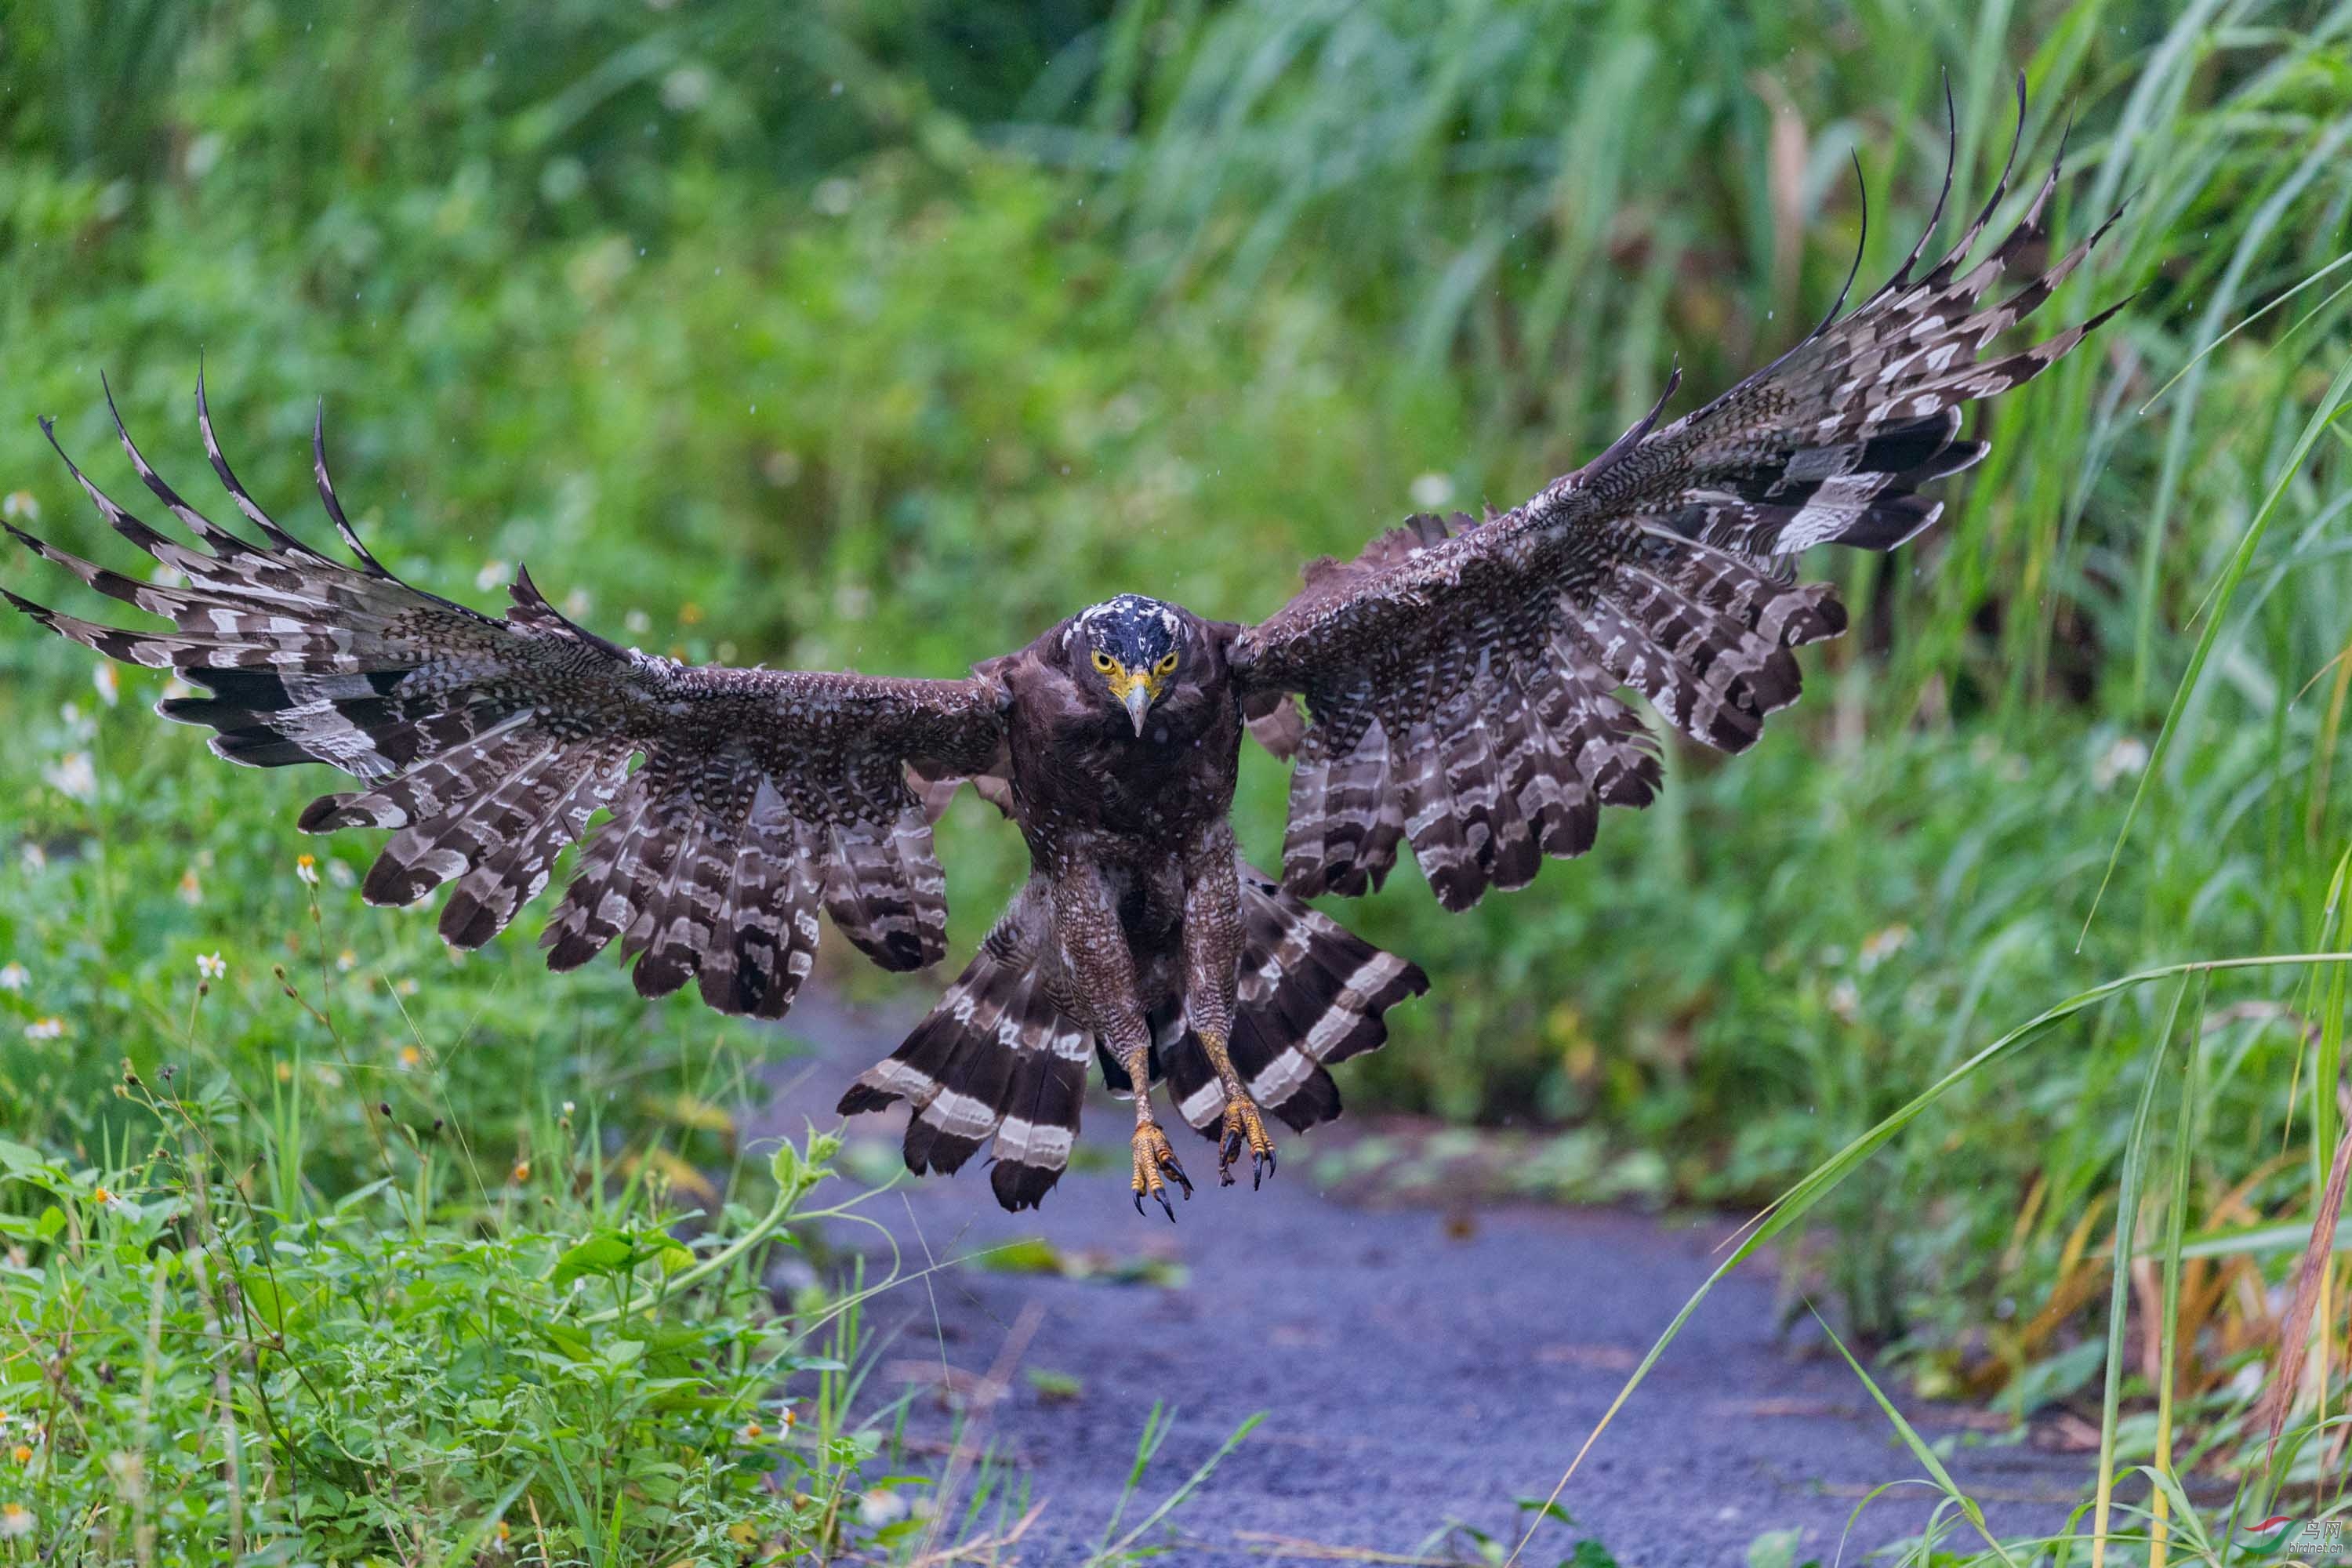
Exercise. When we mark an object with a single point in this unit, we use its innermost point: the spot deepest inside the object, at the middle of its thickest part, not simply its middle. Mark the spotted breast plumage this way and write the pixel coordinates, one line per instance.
(1460, 681)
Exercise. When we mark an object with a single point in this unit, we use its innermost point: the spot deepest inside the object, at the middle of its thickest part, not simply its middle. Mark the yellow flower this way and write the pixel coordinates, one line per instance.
(15, 1520)
(22, 1453)
(306, 869)
(409, 1056)
(522, 1170)
(752, 1432)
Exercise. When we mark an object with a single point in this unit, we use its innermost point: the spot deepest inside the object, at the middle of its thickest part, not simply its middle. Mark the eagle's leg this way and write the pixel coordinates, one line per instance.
(1101, 974)
(1213, 956)
(1155, 1158)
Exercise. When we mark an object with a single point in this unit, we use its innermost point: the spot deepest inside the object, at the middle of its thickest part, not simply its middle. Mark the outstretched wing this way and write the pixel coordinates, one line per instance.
(1462, 676)
(756, 796)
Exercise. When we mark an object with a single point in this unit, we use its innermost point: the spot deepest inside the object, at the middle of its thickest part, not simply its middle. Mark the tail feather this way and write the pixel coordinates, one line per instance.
(1312, 993)
(995, 1059)
(1041, 1115)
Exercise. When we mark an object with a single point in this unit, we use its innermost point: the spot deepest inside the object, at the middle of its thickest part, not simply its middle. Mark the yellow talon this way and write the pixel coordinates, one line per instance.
(1154, 1159)
(1245, 1127)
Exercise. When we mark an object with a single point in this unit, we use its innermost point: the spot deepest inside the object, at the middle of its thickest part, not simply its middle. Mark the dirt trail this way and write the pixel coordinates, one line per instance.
(1412, 1371)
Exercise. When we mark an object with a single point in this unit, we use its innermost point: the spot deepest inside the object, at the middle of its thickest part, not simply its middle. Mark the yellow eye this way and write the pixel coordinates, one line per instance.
(1103, 662)
(1166, 666)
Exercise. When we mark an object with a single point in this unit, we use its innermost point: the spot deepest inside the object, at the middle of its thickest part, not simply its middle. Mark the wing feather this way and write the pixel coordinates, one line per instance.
(487, 745)
(1460, 674)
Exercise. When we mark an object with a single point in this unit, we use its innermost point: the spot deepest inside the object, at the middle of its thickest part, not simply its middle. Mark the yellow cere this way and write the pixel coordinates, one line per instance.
(1121, 679)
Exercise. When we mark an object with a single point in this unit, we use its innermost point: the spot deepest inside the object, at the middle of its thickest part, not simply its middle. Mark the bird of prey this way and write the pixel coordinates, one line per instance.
(1460, 681)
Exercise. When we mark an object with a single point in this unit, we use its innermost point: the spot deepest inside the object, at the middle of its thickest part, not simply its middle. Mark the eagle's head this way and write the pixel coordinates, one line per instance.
(1133, 645)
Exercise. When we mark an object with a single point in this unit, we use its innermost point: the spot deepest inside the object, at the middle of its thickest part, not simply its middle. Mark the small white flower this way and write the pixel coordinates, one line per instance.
(203, 154)
(492, 575)
(685, 88)
(16, 1518)
(636, 623)
(2123, 760)
(211, 965)
(1431, 491)
(339, 874)
(21, 503)
(109, 689)
(567, 1108)
(306, 870)
(72, 777)
(877, 1508)
(834, 197)
(44, 1028)
(114, 1203)
(1845, 1001)
(14, 976)
(35, 858)
(1879, 946)
(192, 889)
(346, 961)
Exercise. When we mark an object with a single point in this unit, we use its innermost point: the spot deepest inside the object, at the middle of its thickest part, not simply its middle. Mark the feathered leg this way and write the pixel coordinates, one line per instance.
(1099, 973)
(1213, 956)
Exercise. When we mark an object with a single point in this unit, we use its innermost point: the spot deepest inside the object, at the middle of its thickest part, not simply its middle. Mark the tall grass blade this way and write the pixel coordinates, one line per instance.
(2294, 1327)
(1824, 1178)
(1920, 1451)
(2167, 1339)
(2331, 407)
(2128, 1207)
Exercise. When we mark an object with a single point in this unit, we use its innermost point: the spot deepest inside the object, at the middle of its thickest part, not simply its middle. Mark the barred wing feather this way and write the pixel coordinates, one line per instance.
(1462, 674)
(741, 800)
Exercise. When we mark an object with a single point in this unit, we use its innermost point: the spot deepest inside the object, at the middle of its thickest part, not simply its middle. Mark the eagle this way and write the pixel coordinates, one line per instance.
(1460, 679)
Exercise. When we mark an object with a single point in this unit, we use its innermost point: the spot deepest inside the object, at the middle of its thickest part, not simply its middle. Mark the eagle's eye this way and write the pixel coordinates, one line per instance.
(1167, 666)
(1104, 661)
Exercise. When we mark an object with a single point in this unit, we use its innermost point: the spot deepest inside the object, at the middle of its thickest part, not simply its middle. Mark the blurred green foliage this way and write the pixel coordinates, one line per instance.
(886, 334)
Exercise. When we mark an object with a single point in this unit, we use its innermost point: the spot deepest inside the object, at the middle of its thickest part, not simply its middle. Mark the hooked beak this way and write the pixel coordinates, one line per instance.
(1139, 703)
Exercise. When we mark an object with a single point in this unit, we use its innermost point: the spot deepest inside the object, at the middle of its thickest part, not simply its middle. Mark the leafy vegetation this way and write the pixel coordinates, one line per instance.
(884, 335)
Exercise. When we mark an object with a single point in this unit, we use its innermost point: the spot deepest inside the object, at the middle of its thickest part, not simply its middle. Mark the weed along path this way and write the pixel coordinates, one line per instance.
(1413, 1368)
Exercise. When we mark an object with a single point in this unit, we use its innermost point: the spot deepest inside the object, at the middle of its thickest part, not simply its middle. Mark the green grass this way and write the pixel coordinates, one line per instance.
(888, 335)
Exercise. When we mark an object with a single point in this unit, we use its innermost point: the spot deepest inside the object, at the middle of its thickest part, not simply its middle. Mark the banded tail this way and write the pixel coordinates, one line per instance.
(1312, 993)
(996, 1063)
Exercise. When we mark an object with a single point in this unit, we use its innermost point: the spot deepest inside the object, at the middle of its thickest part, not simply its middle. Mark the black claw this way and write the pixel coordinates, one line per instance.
(1139, 1205)
(1166, 1207)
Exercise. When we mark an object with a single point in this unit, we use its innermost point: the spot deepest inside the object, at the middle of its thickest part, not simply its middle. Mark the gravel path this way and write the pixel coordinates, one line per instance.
(1415, 1369)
